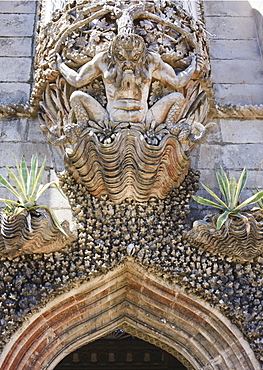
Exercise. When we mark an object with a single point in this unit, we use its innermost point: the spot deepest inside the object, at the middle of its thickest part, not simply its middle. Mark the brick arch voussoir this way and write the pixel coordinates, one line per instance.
(139, 303)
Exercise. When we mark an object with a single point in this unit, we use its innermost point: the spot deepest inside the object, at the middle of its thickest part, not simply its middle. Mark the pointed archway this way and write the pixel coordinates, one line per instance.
(117, 351)
(141, 304)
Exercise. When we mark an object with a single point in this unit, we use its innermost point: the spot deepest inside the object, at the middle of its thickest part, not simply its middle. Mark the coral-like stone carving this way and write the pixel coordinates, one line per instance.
(43, 236)
(233, 240)
(123, 94)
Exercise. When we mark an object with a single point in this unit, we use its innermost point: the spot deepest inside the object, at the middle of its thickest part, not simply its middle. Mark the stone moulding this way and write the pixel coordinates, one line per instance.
(238, 111)
(44, 237)
(218, 111)
(232, 240)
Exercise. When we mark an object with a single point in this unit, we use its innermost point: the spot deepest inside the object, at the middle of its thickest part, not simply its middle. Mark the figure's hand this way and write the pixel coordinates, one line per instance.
(200, 63)
(199, 66)
(55, 60)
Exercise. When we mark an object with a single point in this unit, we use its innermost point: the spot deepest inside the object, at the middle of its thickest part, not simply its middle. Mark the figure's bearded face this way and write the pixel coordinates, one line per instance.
(128, 53)
(127, 59)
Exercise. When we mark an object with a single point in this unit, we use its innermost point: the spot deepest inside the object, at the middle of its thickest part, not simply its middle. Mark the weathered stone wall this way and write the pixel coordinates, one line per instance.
(237, 68)
(22, 137)
(237, 75)
(17, 36)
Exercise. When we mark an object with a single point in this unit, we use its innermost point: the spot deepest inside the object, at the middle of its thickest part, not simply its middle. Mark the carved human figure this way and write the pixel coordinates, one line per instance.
(127, 70)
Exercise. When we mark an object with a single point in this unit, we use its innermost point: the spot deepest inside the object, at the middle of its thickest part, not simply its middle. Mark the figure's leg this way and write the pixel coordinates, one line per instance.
(159, 111)
(86, 107)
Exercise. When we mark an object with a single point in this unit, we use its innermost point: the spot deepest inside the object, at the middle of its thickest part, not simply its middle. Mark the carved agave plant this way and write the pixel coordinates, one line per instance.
(24, 228)
(235, 233)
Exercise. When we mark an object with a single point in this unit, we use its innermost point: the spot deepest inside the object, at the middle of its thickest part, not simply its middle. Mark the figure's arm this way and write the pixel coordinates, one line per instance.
(165, 73)
(86, 74)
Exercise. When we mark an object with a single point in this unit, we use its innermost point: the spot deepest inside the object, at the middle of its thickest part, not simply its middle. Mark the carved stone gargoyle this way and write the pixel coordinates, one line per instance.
(123, 95)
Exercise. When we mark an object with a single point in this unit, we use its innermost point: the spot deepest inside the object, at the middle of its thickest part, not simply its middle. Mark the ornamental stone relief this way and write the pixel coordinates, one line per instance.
(122, 94)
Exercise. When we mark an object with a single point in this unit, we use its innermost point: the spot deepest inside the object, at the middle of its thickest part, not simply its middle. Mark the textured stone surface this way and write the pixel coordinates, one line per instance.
(133, 299)
(237, 131)
(228, 28)
(237, 71)
(239, 93)
(226, 286)
(235, 53)
(17, 19)
(234, 49)
(18, 46)
(17, 24)
(228, 8)
(15, 69)
(14, 92)
(13, 7)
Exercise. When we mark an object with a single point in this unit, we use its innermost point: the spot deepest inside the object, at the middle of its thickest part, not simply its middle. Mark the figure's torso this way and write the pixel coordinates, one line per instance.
(127, 103)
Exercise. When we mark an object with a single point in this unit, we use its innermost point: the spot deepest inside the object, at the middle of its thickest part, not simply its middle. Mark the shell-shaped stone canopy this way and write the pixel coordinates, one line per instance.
(128, 167)
(234, 239)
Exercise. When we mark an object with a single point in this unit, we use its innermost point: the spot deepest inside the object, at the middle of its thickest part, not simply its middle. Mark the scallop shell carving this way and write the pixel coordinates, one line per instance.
(232, 240)
(128, 167)
(44, 236)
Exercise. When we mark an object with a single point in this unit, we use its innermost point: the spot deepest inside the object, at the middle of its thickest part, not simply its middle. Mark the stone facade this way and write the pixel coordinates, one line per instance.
(226, 296)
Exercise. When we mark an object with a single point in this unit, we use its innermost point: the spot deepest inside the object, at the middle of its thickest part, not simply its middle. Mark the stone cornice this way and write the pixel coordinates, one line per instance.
(217, 111)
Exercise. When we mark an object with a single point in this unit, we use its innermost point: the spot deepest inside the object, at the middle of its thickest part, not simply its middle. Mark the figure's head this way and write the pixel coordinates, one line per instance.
(128, 51)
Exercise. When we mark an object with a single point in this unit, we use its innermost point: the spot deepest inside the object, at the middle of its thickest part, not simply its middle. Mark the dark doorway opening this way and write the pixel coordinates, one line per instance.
(119, 351)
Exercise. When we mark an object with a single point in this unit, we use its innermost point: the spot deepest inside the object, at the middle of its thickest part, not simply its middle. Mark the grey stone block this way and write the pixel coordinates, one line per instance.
(19, 149)
(208, 177)
(15, 69)
(16, 93)
(259, 25)
(237, 28)
(235, 49)
(230, 8)
(215, 135)
(54, 199)
(34, 132)
(64, 214)
(210, 156)
(238, 93)
(18, 6)
(13, 130)
(237, 131)
(237, 71)
(57, 158)
(254, 180)
(17, 24)
(195, 157)
(19, 46)
(240, 155)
